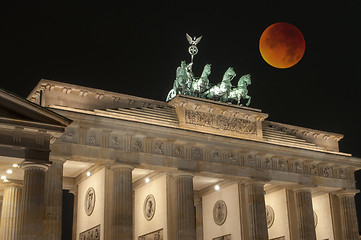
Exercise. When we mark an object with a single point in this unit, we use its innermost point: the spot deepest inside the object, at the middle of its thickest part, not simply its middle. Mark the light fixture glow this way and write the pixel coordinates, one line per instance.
(9, 171)
(217, 187)
(147, 180)
(3, 177)
(15, 165)
(88, 174)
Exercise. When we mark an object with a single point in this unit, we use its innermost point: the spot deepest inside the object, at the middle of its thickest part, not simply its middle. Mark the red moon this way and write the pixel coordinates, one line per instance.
(282, 45)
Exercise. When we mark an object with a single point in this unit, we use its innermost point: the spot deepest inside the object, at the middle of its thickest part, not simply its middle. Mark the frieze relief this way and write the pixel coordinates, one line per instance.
(220, 122)
(206, 153)
(90, 234)
(156, 235)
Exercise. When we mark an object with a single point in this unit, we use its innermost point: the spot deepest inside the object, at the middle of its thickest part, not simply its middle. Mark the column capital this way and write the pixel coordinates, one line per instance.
(121, 165)
(11, 182)
(180, 174)
(347, 192)
(302, 188)
(42, 166)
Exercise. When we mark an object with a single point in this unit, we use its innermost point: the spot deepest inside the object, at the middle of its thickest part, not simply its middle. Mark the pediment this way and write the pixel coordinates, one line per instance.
(15, 110)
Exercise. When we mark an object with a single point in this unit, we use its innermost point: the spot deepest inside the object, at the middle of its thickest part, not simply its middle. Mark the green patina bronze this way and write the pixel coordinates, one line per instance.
(186, 84)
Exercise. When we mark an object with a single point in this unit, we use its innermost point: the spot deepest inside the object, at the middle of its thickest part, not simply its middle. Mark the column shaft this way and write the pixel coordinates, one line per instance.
(122, 203)
(304, 210)
(53, 201)
(256, 211)
(185, 228)
(75, 215)
(348, 217)
(10, 217)
(199, 219)
(33, 201)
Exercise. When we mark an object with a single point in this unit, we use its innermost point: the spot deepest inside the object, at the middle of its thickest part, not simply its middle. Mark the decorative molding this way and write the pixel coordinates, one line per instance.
(219, 212)
(270, 215)
(89, 201)
(149, 207)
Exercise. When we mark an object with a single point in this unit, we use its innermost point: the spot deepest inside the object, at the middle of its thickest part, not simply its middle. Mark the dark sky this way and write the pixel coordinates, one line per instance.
(136, 48)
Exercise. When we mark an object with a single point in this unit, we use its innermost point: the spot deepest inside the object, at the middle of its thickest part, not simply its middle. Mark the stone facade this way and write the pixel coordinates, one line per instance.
(127, 148)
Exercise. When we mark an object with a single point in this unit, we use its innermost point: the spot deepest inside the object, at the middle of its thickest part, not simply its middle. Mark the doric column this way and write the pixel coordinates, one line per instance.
(122, 223)
(348, 215)
(33, 200)
(199, 218)
(185, 219)
(256, 211)
(10, 225)
(53, 201)
(304, 213)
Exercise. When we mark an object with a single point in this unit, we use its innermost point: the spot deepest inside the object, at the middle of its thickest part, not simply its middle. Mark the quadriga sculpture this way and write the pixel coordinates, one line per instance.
(221, 89)
(239, 92)
(202, 84)
(186, 84)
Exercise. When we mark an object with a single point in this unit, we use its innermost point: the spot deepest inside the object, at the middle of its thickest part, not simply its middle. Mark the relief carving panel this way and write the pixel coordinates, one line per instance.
(220, 122)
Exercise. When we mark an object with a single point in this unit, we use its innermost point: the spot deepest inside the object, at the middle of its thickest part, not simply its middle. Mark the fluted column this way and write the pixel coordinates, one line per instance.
(53, 201)
(33, 201)
(348, 216)
(199, 218)
(122, 214)
(75, 212)
(304, 213)
(185, 219)
(10, 225)
(256, 211)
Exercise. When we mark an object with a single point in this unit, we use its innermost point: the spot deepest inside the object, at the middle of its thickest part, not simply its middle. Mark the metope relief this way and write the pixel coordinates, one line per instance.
(156, 235)
(137, 145)
(89, 201)
(270, 216)
(149, 207)
(90, 234)
(219, 212)
(115, 142)
(220, 122)
(158, 147)
(178, 150)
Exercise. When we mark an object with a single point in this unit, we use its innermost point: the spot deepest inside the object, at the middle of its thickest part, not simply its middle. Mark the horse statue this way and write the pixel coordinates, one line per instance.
(221, 89)
(239, 92)
(202, 84)
(180, 82)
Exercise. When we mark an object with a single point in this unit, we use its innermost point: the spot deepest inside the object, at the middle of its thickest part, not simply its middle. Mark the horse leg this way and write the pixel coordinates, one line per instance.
(249, 100)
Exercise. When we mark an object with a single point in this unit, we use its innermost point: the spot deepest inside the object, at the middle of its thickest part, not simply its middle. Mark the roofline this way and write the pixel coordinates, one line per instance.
(35, 107)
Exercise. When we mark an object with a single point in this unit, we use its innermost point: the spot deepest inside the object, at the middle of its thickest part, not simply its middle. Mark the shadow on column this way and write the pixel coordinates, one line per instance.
(67, 221)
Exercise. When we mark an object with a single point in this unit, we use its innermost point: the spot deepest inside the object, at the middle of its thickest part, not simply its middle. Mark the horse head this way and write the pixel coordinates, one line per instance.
(244, 81)
(229, 75)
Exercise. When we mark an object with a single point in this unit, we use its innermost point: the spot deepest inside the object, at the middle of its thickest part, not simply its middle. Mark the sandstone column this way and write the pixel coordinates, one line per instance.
(33, 200)
(53, 201)
(199, 218)
(122, 213)
(10, 216)
(348, 215)
(256, 211)
(75, 212)
(185, 219)
(304, 213)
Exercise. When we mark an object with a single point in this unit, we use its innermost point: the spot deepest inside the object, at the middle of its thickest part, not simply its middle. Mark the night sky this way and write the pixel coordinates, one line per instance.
(136, 48)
